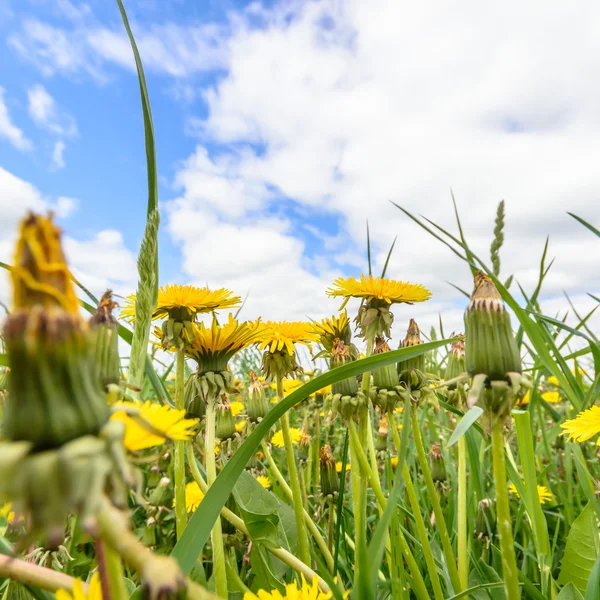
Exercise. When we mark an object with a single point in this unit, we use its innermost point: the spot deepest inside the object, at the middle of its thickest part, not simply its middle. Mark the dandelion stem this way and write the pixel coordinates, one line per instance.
(294, 480)
(34, 575)
(178, 452)
(509, 561)
(462, 550)
(440, 521)
(211, 474)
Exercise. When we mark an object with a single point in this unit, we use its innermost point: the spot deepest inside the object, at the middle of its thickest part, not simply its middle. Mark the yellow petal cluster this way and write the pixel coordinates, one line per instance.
(94, 591)
(307, 591)
(277, 439)
(282, 335)
(584, 426)
(193, 496)
(264, 481)
(150, 424)
(380, 288)
(194, 299)
(544, 493)
(237, 407)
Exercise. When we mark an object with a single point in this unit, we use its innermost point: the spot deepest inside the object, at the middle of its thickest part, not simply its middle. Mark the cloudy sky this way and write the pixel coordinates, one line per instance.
(282, 127)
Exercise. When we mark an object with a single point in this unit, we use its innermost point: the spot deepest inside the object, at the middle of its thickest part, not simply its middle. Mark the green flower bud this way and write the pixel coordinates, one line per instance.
(160, 492)
(149, 532)
(490, 346)
(375, 319)
(330, 483)
(456, 362)
(195, 405)
(258, 404)
(341, 356)
(436, 464)
(304, 445)
(412, 370)
(381, 442)
(225, 427)
(105, 331)
(485, 521)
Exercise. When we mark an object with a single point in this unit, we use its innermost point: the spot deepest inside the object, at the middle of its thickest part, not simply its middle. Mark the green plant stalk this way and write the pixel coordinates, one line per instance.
(211, 474)
(532, 500)
(34, 575)
(179, 450)
(314, 530)
(462, 542)
(509, 561)
(281, 553)
(419, 522)
(317, 448)
(372, 453)
(116, 574)
(357, 498)
(440, 521)
(303, 546)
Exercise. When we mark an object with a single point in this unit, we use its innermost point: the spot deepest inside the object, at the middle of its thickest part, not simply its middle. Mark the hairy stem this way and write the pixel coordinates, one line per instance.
(178, 453)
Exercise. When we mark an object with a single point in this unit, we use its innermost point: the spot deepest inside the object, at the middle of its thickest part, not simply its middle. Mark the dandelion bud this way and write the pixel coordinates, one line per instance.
(341, 356)
(330, 483)
(304, 445)
(437, 465)
(195, 405)
(485, 521)
(160, 492)
(149, 533)
(412, 370)
(490, 346)
(258, 404)
(106, 333)
(385, 392)
(54, 395)
(225, 424)
(456, 362)
(381, 442)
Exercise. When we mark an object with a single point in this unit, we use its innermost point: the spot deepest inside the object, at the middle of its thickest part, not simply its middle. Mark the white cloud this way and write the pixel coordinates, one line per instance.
(343, 106)
(9, 130)
(58, 159)
(46, 114)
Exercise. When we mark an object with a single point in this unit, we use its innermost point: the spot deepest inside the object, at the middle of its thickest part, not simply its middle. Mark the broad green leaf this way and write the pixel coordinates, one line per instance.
(581, 551)
(259, 509)
(199, 526)
(465, 423)
(485, 574)
(570, 592)
(265, 577)
(592, 591)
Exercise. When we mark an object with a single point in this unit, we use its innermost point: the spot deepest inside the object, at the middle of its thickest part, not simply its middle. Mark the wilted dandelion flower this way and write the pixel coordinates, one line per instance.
(307, 591)
(295, 435)
(151, 424)
(543, 493)
(584, 426)
(264, 481)
(94, 591)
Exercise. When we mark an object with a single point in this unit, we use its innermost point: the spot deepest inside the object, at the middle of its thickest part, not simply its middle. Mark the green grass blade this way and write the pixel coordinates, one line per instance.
(196, 533)
(148, 126)
(585, 224)
(340, 503)
(369, 250)
(387, 260)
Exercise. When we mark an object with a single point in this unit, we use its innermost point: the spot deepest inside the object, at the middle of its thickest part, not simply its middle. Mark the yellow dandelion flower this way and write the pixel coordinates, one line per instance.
(390, 291)
(394, 461)
(584, 426)
(553, 381)
(259, 455)
(544, 493)
(217, 447)
(552, 397)
(289, 385)
(94, 591)
(525, 399)
(193, 300)
(334, 326)
(306, 591)
(277, 439)
(398, 409)
(237, 407)
(151, 424)
(239, 426)
(338, 466)
(7, 512)
(213, 346)
(193, 496)
(278, 336)
(264, 481)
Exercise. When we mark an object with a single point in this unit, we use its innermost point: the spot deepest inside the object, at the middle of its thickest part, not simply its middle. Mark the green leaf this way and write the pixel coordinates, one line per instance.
(194, 537)
(592, 591)
(570, 592)
(259, 509)
(585, 224)
(465, 423)
(581, 551)
(265, 578)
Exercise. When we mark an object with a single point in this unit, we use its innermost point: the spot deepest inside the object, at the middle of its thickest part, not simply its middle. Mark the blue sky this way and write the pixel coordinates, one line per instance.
(282, 127)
